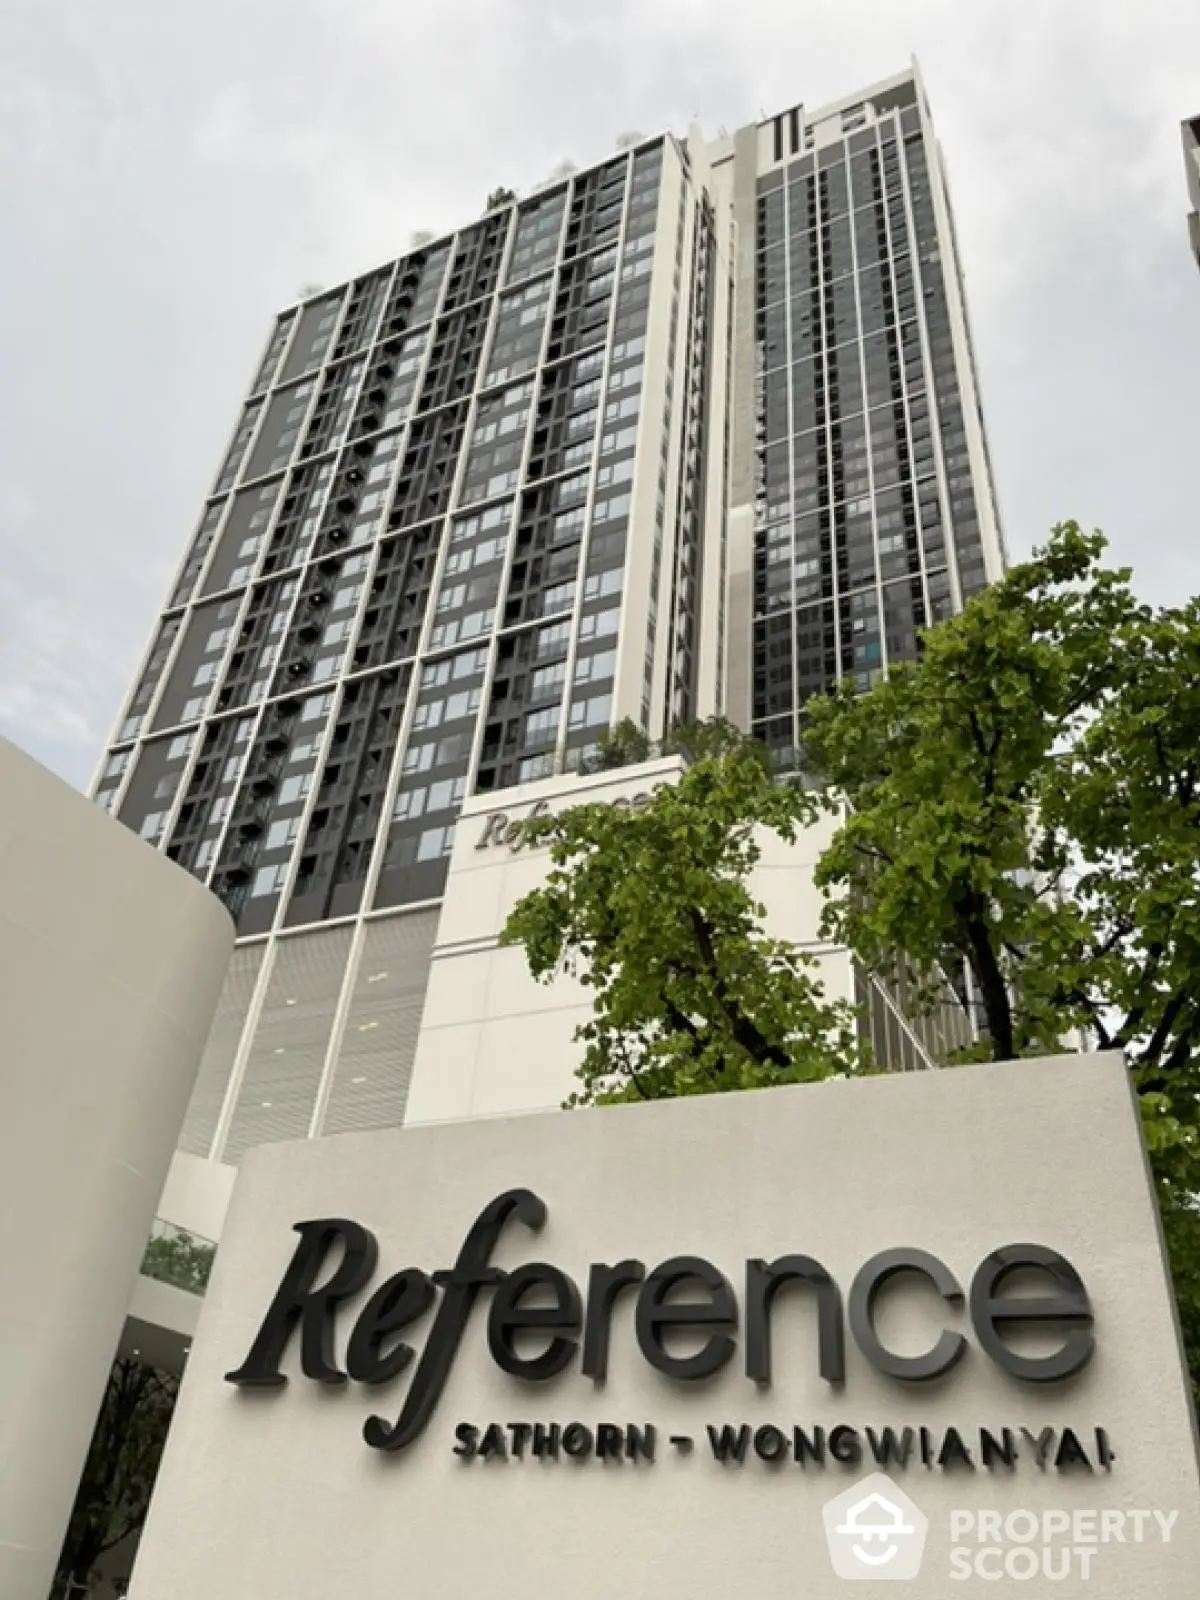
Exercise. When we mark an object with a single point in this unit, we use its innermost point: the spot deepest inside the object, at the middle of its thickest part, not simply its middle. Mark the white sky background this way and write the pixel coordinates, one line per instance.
(172, 175)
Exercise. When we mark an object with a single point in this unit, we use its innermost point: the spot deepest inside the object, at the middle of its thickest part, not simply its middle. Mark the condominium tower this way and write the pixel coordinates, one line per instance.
(693, 430)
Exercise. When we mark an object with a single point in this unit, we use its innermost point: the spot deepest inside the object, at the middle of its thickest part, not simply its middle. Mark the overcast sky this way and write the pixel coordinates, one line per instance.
(170, 176)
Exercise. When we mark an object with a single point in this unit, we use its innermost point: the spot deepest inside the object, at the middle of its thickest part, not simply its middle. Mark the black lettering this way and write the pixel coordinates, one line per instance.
(655, 1315)
(510, 1318)
(995, 1452)
(763, 1282)
(641, 1443)
(468, 1440)
(1067, 1306)
(299, 1303)
(460, 1285)
(729, 1444)
(519, 1434)
(577, 1440)
(864, 1292)
(1104, 1451)
(545, 1440)
(845, 1445)
(805, 1448)
(770, 1443)
(493, 830)
(1040, 1443)
(954, 1452)
(610, 1442)
(1070, 1452)
(395, 1304)
(604, 1285)
(926, 1448)
(494, 1443)
(889, 1446)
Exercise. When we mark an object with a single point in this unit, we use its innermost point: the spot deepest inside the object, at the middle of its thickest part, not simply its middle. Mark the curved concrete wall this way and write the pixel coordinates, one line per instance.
(111, 962)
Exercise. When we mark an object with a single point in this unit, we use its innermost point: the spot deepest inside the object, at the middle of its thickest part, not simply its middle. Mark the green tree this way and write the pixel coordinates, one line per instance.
(114, 1492)
(500, 197)
(622, 745)
(1023, 805)
(177, 1257)
(651, 911)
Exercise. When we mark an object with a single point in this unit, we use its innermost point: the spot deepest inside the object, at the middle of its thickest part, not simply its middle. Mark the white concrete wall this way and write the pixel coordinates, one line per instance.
(111, 962)
(273, 1495)
(196, 1195)
(494, 1042)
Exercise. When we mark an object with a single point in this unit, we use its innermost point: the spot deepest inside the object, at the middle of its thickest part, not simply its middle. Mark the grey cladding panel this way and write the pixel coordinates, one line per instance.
(371, 1079)
(283, 1072)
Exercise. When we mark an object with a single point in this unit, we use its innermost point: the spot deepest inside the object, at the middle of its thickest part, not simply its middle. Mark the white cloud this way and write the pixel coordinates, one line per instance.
(170, 182)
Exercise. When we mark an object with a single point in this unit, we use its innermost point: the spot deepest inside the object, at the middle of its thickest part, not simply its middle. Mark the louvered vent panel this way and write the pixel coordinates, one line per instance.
(279, 1088)
(371, 1079)
(217, 1062)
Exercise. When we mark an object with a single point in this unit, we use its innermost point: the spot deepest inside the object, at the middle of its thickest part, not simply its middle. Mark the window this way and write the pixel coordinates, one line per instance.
(551, 640)
(295, 788)
(448, 792)
(600, 623)
(115, 765)
(534, 767)
(269, 880)
(409, 803)
(435, 842)
(548, 680)
(599, 583)
(177, 750)
(559, 598)
(130, 728)
(542, 725)
(591, 713)
(152, 825)
(418, 757)
(316, 706)
(194, 707)
(282, 833)
(601, 665)
(206, 850)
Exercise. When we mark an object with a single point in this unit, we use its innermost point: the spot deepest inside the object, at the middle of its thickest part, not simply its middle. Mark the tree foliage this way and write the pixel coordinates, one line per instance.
(1024, 803)
(118, 1478)
(500, 197)
(178, 1258)
(651, 910)
(625, 744)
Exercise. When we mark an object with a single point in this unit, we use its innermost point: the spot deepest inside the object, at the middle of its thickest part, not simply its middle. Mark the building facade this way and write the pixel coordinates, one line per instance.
(1191, 165)
(694, 430)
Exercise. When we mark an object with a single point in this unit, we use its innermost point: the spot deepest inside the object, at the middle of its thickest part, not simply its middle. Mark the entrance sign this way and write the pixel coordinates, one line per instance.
(694, 1348)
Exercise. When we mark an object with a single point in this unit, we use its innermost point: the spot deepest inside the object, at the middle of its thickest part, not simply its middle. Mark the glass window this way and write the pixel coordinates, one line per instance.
(268, 880)
(282, 833)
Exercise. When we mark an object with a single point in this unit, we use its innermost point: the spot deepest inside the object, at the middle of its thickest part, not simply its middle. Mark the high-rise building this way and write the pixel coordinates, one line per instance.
(693, 430)
(1191, 163)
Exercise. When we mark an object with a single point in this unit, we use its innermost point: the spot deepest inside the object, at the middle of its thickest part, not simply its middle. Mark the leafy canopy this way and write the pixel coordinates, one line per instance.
(1025, 799)
(1024, 802)
(651, 911)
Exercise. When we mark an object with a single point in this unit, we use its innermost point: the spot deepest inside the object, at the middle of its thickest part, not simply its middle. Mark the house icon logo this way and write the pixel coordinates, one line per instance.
(875, 1531)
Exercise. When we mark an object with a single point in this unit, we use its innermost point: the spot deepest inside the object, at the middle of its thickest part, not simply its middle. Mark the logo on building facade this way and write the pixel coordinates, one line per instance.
(874, 1531)
(336, 1260)
(503, 829)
